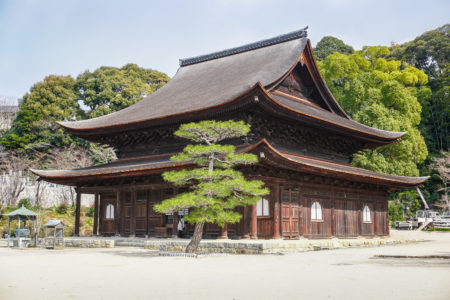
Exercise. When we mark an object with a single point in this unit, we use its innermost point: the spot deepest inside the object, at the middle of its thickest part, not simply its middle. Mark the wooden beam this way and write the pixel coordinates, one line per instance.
(77, 213)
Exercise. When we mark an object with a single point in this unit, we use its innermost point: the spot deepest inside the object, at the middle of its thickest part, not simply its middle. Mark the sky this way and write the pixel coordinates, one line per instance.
(43, 37)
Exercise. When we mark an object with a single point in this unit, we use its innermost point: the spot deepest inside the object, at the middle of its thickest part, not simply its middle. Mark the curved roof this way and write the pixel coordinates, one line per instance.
(160, 163)
(212, 82)
(331, 118)
(209, 81)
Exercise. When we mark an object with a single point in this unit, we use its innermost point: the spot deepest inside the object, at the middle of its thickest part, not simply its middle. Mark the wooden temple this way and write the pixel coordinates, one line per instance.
(303, 138)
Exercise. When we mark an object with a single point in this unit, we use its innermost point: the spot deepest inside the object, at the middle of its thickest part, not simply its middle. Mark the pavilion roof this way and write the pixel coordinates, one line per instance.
(161, 163)
(22, 211)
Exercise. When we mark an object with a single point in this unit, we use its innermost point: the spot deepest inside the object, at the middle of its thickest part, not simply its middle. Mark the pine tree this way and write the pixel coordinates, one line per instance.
(215, 187)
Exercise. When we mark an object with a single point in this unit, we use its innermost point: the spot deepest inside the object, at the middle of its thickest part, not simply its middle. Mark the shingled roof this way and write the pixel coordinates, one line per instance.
(213, 80)
(160, 163)
(217, 79)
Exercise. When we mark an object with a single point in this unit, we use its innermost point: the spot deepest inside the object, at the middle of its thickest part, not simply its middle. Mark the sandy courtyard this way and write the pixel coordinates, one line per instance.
(133, 273)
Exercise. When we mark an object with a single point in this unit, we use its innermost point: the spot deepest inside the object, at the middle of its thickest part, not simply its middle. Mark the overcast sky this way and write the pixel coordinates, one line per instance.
(42, 37)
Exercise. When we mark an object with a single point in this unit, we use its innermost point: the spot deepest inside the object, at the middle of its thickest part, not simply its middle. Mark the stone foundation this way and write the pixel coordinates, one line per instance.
(234, 246)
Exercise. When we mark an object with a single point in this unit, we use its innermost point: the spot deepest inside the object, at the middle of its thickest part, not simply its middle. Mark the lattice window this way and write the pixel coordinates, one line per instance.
(366, 214)
(316, 211)
(262, 208)
(109, 211)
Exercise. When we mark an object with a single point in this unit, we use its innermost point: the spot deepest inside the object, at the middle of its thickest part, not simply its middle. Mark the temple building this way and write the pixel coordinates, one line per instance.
(303, 138)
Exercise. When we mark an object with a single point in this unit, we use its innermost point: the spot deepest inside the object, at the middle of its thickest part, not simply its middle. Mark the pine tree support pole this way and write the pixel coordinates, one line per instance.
(77, 213)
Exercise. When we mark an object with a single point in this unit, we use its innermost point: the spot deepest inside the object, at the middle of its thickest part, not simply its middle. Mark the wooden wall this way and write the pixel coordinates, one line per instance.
(342, 213)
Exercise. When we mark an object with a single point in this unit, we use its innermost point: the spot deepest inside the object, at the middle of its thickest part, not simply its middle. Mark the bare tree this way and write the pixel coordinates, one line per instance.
(442, 166)
(12, 178)
(38, 225)
(68, 158)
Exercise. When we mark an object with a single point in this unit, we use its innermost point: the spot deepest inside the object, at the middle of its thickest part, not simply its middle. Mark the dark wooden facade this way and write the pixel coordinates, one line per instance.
(304, 140)
(288, 216)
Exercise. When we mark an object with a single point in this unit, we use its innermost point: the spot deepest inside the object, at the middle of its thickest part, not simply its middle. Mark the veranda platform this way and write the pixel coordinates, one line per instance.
(237, 246)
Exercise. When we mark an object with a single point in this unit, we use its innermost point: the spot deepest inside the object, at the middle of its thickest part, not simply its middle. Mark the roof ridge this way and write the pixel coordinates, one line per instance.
(248, 47)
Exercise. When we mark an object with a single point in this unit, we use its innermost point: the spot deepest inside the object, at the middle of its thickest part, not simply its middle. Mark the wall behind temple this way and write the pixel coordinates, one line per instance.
(54, 195)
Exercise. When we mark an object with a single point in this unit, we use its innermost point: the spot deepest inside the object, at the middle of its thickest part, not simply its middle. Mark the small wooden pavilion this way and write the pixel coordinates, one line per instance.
(304, 139)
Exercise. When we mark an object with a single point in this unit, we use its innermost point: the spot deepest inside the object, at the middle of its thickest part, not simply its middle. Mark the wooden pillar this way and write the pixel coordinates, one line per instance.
(9, 230)
(276, 213)
(118, 214)
(100, 215)
(253, 223)
(333, 213)
(386, 216)
(224, 232)
(147, 213)
(96, 200)
(246, 220)
(133, 215)
(77, 213)
(175, 225)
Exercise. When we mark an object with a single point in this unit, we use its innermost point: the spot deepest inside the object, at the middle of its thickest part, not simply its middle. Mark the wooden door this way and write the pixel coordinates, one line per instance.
(352, 218)
(109, 213)
(381, 219)
(264, 216)
(290, 213)
(339, 218)
(140, 213)
(155, 219)
(367, 227)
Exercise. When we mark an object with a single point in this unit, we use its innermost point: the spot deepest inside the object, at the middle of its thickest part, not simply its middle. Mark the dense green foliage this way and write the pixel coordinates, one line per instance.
(381, 93)
(59, 98)
(430, 53)
(329, 45)
(109, 89)
(215, 187)
(48, 101)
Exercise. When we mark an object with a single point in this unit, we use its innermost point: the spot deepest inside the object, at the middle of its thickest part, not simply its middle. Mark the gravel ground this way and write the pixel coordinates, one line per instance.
(133, 273)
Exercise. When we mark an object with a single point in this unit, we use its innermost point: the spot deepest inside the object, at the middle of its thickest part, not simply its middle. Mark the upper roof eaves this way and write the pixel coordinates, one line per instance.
(248, 47)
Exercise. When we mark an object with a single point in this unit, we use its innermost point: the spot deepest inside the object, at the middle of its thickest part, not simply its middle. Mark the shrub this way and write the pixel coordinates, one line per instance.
(90, 211)
(25, 202)
(62, 208)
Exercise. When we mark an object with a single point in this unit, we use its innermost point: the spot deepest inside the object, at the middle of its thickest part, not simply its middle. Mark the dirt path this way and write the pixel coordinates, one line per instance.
(132, 273)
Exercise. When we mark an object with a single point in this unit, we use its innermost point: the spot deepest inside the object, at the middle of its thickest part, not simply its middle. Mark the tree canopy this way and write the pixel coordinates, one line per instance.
(382, 93)
(216, 188)
(59, 98)
(110, 89)
(430, 52)
(34, 127)
(329, 45)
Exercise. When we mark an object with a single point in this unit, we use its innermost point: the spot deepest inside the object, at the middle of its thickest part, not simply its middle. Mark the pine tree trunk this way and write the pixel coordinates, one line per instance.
(196, 238)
